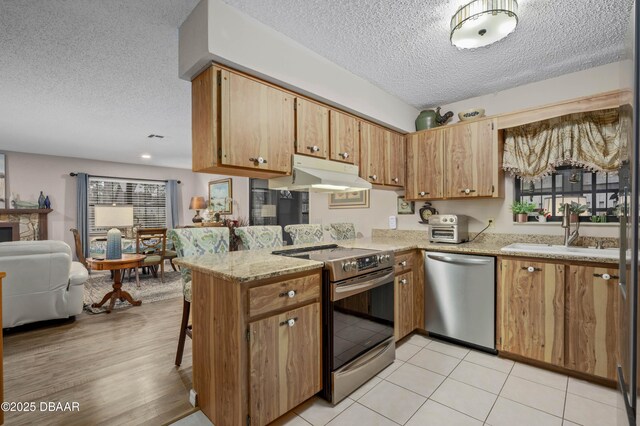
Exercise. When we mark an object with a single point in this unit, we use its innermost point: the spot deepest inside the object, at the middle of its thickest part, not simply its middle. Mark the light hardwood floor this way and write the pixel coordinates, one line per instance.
(119, 367)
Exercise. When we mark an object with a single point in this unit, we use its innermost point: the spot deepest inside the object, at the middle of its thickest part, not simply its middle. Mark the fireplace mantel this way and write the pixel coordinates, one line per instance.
(43, 233)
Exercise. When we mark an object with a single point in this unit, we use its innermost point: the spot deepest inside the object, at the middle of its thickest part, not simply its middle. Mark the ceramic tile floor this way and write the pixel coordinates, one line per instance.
(436, 383)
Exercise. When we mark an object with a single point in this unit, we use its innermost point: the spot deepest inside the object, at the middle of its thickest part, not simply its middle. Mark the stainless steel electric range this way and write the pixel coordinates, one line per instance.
(358, 339)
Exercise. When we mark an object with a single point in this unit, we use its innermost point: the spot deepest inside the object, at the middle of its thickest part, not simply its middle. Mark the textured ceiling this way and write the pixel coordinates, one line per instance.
(403, 46)
(93, 78)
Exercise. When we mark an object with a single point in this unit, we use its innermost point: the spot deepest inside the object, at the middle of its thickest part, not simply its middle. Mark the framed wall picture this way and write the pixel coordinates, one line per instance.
(406, 207)
(221, 196)
(349, 200)
(3, 183)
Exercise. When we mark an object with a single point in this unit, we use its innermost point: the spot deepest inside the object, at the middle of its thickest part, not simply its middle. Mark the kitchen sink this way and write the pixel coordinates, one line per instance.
(558, 250)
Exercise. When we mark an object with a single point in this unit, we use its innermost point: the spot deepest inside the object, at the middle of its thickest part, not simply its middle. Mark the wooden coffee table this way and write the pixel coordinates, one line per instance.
(117, 265)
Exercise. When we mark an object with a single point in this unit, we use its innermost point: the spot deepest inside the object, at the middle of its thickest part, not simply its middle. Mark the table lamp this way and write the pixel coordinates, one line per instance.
(115, 216)
(197, 204)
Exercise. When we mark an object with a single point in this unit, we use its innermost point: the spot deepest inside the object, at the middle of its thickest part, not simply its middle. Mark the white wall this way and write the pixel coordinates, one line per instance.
(215, 31)
(28, 174)
(383, 203)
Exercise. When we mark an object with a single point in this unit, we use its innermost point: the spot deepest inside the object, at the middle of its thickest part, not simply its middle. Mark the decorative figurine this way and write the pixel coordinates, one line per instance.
(47, 203)
(442, 119)
(41, 201)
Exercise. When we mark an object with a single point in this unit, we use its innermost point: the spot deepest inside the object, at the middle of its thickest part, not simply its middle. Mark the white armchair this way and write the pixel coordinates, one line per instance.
(42, 282)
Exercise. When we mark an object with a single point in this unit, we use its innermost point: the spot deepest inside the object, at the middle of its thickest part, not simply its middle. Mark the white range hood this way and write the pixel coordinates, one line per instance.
(318, 175)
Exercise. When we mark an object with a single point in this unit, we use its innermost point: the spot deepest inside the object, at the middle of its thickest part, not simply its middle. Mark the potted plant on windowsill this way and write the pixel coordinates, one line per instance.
(576, 209)
(521, 210)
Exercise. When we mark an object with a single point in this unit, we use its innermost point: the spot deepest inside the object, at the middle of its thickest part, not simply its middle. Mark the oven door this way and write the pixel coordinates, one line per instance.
(362, 311)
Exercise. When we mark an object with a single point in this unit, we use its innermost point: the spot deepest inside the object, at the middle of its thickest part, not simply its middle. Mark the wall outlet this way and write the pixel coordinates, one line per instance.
(491, 222)
(193, 397)
(393, 222)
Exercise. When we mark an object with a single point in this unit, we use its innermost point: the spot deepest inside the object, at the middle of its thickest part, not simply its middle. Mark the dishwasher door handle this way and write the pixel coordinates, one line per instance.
(455, 261)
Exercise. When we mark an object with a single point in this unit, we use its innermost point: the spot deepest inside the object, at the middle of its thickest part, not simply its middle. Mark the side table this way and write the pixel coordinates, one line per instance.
(116, 265)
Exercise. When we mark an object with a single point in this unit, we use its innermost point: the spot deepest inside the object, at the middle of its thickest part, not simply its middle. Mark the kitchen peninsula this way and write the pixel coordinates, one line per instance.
(248, 364)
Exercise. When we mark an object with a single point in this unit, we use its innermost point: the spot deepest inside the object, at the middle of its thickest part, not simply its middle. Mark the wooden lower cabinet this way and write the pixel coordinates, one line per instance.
(592, 319)
(285, 368)
(531, 307)
(408, 294)
(2, 275)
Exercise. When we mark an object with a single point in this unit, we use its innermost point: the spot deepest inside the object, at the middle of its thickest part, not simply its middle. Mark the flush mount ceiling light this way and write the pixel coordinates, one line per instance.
(146, 156)
(483, 22)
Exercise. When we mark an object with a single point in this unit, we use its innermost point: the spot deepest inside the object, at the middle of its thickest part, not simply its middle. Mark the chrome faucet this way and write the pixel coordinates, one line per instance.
(569, 237)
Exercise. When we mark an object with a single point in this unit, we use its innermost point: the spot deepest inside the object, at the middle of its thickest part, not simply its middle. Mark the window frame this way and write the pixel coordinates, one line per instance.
(556, 194)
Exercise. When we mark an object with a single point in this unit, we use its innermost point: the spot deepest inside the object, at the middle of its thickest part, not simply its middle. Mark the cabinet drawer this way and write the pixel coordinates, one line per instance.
(272, 297)
(404, 262)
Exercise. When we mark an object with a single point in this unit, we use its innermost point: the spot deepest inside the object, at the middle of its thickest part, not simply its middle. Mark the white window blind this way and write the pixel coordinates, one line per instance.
(147, 198)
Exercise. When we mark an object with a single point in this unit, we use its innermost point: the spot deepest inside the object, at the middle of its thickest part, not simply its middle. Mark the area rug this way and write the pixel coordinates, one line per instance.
(151, 289)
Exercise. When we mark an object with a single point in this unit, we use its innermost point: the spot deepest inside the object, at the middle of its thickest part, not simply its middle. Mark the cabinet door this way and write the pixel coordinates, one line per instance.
(312, 128)
(372, 153)
(404, 305)
(345, 138)
(284, 362)
(258, 124)
(471, 162)
(425, 162)
(531, 309)
(592, 309)
(394, 155)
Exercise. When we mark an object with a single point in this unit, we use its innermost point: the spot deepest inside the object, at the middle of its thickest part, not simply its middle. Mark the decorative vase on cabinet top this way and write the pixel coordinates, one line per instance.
(426, 120)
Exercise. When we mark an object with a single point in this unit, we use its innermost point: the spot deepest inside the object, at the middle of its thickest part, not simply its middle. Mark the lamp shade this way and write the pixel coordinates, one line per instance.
(483, 22)
(197, 203)
(114, 216)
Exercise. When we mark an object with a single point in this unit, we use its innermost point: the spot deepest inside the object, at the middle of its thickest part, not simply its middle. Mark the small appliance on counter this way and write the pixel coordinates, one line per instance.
(448, 228)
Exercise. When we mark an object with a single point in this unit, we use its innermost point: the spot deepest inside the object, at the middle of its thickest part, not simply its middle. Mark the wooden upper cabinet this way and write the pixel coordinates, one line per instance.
(372, 153)
(425, 165)
(285, 365)
(592, 323)
(472, 163)
(258, 129)
(312, 128)
(395, 158)
(531, 309)
(344, 136)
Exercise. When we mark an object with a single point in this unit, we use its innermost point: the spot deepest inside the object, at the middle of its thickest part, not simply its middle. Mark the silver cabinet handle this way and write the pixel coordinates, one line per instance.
(344, 155)
(395, 180)
(422, 193)
(290, 294)
(314, 148)
(606, 277)
(373, 177)
(403, 281)
(290, 322)
(403, 263)
(467, 191)
(531, 268)
(258, 160)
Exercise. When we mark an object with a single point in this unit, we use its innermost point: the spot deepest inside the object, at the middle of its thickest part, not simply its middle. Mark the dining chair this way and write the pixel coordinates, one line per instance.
(341, 231)
(78, 243)
(259, 237)
(305, 233)
(194, 242)
(152, 242)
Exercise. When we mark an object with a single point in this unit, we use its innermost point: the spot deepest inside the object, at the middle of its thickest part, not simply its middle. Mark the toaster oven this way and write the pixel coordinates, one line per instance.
(448, 228)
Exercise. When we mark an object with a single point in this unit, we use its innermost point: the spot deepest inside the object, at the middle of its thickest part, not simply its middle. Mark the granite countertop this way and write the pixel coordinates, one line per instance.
(243, 266)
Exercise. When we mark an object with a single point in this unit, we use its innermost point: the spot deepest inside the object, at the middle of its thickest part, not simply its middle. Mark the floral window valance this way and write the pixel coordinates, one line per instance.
(592, 140)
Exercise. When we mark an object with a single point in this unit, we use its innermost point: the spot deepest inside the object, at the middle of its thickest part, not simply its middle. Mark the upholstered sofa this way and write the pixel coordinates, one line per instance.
(42, 282)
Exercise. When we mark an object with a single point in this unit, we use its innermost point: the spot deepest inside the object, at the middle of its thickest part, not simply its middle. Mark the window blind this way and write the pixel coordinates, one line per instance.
(147, 198)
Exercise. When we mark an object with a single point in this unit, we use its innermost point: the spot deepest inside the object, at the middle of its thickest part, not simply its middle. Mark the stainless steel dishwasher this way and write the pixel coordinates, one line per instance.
(460, 298)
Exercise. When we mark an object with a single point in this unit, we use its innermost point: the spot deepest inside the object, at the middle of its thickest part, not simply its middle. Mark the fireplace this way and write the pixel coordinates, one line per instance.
(9, 231)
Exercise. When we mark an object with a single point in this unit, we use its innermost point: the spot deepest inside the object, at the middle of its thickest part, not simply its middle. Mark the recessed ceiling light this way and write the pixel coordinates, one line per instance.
(483, 22)
(146, 156)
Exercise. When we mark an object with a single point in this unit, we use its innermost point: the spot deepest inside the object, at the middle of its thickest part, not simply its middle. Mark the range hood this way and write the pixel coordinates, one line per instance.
(318, 175)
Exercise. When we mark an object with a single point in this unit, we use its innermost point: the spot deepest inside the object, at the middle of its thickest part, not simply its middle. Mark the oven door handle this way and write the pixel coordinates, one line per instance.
(454, 261)
(345, 290)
